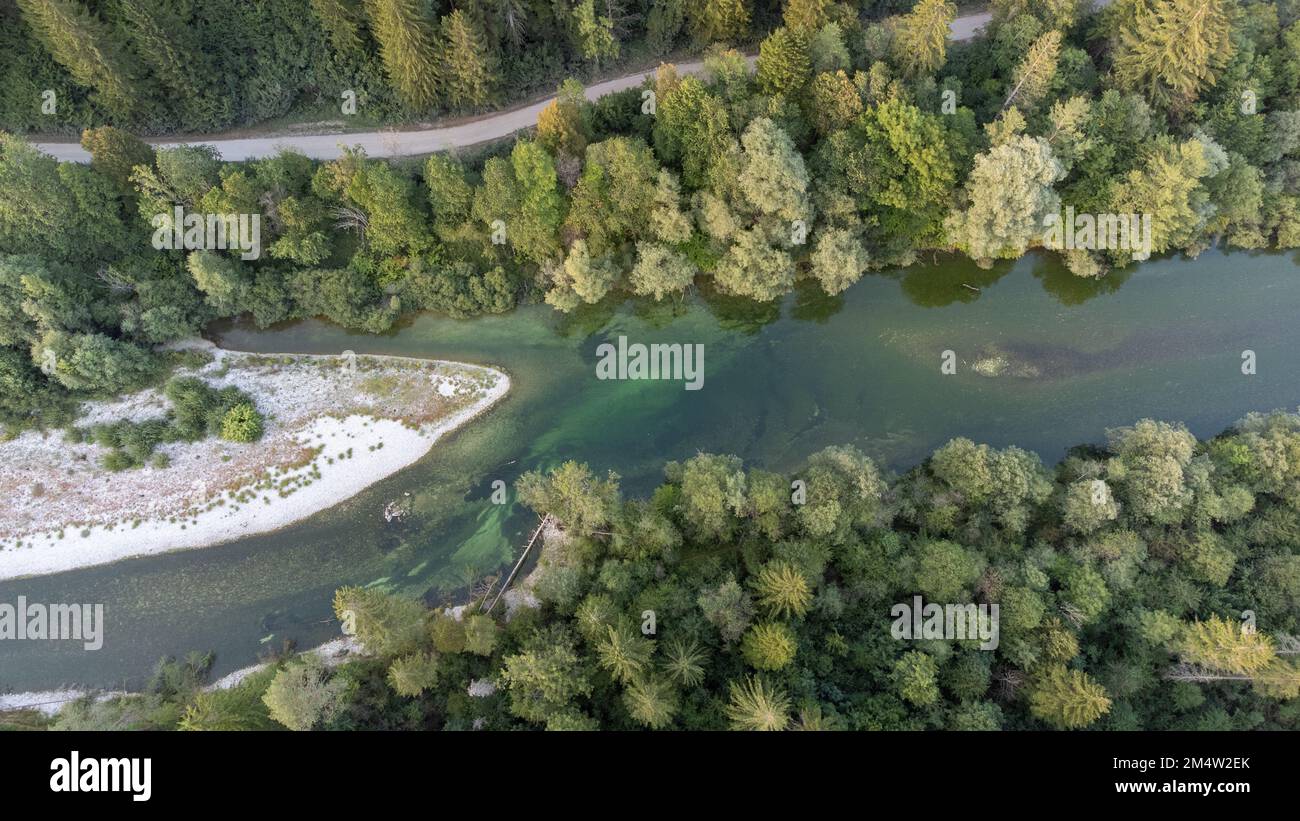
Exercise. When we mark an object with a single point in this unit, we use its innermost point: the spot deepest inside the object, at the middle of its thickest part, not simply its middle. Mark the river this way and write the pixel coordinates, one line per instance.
(1164, 340)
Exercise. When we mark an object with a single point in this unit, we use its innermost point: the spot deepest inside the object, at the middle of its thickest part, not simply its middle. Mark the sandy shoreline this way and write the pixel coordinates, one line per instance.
(354, 428)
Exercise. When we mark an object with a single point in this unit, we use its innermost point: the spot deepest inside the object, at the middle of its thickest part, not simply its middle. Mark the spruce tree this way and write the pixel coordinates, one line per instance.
(470, 75)
(159, 35)
(83, 44)
(1034, 74)
(342, 23)
(921, 40)
(783, 64)
(714, 20)
(409, 50)
(806, 15)
(1223, 646)
(1068, 699)
(1171, 50)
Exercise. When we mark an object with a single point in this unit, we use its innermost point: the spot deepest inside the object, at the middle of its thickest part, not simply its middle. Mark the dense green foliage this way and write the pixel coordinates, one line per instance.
(1120, 575)
(197, 412)
(853, 147)
(168, 65)
(1166, 596)
(85, 298)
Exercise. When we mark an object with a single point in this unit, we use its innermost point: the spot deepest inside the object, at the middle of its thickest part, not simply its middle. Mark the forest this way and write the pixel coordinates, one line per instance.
(1150, 583)
(853, 147)
(156, 66)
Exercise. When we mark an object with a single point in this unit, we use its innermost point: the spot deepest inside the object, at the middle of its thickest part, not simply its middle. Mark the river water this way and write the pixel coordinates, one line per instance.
(1063, 359)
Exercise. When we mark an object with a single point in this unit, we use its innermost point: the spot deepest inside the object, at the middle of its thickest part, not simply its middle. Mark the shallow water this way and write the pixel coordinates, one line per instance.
(781, 382)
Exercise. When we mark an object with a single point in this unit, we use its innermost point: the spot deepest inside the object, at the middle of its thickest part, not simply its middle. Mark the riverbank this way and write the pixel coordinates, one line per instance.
(865, 369)
(334, 426)
(51, 702)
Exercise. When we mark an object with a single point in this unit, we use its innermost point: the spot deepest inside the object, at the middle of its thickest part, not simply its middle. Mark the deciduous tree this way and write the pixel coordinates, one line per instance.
(1009, 194)
(302, 696)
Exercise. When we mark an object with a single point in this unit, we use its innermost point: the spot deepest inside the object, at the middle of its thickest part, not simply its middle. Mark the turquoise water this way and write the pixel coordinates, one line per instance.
(781, 381)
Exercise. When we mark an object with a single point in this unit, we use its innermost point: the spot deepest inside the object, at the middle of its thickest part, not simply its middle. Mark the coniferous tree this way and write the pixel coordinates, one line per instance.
(1171, 50)
(664, 23)
(834, 102)
(342, 22)
(757, 705)
(388, 625)
(921, 38)
(450, 195)
(782, 589)
(470, 74)
(162, 38)
(714, 20)
(594, 33)
(684, 661)
(768, 646)
(1068, 699)
(916, 678)
(783, 65)
(409, 49)
(651, 701)
(411, 675)
(560, 126)
(115, 153)
(1168, 187)
(1219, 644)
(545, 676)
(83, 45)
(691, 130)
(302, 695)
(807, 15)
(1034, 74)
(1054, 14)
(573, 494)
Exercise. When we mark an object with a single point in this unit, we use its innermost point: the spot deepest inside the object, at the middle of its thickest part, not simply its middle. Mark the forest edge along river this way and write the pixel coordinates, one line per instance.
(1044, 360)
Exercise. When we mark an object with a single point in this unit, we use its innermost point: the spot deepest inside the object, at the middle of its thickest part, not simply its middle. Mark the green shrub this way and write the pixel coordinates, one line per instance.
(242, 423)
(198, 411)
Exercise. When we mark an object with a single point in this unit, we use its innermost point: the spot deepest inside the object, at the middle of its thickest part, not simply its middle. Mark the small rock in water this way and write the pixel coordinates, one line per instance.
(397, 509)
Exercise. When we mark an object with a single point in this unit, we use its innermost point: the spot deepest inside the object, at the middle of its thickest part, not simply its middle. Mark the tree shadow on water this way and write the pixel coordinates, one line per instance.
(812, 304)
(1070, 289)
(738, 313)
(585, 320)
(660, 313)
(950, 278)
